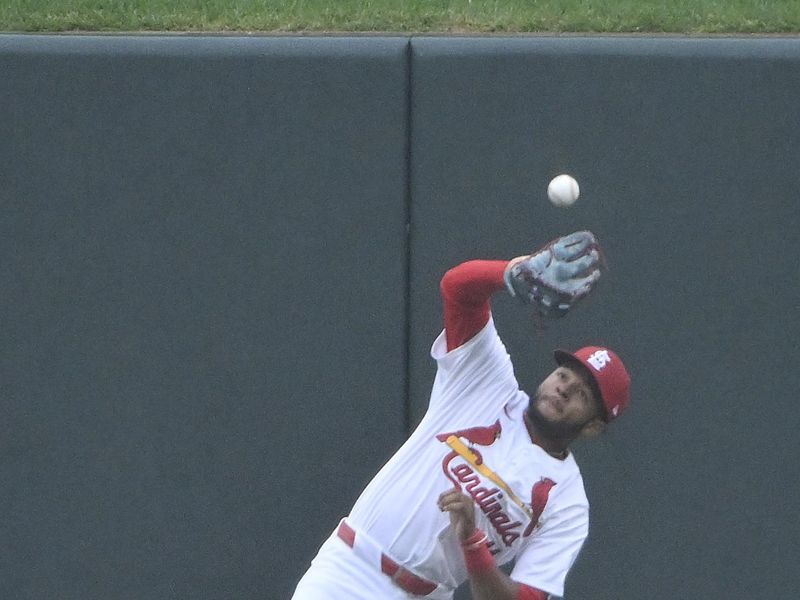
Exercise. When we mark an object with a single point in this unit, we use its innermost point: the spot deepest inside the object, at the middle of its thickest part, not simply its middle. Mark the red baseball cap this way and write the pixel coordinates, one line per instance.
(608, 372)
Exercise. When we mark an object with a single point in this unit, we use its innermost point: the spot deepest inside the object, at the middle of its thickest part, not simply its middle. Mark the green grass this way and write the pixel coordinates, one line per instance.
(404, 16)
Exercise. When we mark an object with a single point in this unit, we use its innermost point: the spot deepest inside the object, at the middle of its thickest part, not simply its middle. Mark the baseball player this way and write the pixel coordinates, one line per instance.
(487, 477)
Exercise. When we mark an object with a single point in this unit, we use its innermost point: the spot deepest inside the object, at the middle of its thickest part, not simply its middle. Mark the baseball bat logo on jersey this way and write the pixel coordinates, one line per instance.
(466, 476)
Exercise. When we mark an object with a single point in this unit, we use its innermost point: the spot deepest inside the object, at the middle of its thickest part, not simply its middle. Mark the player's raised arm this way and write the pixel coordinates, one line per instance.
(466, 290)
(552, 279)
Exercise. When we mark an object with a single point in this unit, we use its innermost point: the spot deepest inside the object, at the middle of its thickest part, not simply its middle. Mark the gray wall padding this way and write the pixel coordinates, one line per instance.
(195, 314)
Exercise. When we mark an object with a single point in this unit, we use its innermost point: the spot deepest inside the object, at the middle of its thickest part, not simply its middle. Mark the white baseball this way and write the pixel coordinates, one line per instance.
(563, 190)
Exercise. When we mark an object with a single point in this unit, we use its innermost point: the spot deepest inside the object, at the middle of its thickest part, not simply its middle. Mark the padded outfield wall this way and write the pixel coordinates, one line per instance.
(221, 258)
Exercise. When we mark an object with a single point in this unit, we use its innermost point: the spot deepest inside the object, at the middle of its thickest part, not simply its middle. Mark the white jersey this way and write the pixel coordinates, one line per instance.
(532, 506)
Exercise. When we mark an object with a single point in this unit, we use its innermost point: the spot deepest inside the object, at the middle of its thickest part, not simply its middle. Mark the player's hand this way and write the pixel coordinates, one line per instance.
(462, 512)
(558, 275)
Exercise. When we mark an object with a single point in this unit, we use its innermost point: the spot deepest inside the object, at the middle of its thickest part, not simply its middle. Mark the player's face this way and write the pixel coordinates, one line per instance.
(563, 404)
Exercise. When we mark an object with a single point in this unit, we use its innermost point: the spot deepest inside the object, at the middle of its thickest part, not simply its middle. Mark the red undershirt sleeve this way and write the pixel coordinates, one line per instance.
(525, 592)
(466, 290)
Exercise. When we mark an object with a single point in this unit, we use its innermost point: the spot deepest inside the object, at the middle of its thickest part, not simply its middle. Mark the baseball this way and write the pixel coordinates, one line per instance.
(563, 190)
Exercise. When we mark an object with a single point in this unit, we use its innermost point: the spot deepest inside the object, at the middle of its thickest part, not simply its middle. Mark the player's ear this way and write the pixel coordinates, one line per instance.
(593, 428)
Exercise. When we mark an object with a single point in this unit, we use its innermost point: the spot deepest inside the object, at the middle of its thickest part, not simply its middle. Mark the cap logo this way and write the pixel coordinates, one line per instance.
(599, 359)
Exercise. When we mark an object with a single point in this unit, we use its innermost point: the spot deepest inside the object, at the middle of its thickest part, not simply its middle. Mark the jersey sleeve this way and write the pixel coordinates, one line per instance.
(544, 563)
(475, 380)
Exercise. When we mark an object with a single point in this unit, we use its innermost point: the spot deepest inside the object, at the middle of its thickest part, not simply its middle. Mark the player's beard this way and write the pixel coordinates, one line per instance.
(565, 431)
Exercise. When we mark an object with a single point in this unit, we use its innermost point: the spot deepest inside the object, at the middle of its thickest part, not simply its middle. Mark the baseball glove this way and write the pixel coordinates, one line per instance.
(558, 275)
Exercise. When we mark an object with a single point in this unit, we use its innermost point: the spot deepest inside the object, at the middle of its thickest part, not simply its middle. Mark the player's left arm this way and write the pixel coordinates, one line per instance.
(552, 279)
(487, 581)
(466, 291)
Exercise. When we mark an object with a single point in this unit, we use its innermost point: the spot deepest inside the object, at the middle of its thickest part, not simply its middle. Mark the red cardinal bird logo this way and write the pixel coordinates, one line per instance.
(483, 436)
(539, 497)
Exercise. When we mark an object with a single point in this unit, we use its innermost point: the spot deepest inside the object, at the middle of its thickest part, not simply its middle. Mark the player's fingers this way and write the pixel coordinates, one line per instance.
(451, 507)
(454, 501)
(450, 493)
(448, 497)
